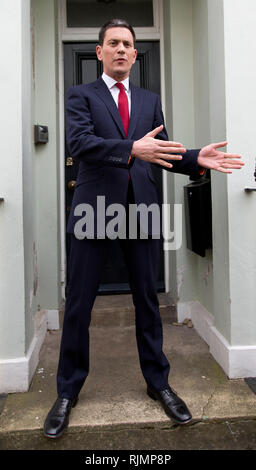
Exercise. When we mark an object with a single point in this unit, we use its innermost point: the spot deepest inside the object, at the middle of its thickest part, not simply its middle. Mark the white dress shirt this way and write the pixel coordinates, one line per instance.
(110, 82)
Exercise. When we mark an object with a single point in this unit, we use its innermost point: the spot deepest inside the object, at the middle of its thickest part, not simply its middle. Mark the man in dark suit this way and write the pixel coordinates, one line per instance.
(116, 131)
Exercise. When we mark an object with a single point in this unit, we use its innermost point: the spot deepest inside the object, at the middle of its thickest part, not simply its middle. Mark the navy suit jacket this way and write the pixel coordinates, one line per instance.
(95, 136)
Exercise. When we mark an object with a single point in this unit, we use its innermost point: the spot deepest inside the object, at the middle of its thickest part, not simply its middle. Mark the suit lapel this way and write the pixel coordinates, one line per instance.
(136, 105)
(103, 92)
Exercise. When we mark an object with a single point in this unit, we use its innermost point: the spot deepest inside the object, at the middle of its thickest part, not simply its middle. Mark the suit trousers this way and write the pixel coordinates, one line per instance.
(86, 262)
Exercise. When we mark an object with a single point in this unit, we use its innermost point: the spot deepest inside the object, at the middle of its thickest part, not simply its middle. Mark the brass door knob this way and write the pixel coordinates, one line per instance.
(71, 184)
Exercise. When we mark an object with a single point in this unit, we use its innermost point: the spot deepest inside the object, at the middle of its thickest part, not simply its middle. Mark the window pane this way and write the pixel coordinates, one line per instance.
(89, 70)
(94, 13)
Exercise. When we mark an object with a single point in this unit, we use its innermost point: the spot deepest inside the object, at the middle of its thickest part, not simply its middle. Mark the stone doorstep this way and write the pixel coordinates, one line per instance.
(238, 434)
(114, 411)
(125, 300)
(118, 310)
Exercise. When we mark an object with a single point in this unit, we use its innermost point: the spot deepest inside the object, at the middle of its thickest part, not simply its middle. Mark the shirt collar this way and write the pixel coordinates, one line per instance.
(110, 82)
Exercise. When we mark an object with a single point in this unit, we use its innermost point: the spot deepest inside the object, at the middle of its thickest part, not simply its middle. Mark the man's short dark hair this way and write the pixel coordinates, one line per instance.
(115, 23)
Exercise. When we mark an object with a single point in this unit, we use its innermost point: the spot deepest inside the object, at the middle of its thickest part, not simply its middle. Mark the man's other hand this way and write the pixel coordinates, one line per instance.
(210, 157)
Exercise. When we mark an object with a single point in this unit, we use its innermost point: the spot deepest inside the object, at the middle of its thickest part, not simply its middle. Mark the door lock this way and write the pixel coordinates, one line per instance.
(71, 184)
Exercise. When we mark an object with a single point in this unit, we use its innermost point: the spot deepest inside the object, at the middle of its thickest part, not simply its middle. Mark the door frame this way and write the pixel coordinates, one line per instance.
(89, 34)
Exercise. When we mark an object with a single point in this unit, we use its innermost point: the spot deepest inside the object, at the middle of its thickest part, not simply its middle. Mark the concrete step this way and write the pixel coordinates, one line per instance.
(114, 411)
(118, 310)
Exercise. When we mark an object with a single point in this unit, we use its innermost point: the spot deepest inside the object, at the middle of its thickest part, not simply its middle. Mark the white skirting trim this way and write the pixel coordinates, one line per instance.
(17, 373)
(236, 361)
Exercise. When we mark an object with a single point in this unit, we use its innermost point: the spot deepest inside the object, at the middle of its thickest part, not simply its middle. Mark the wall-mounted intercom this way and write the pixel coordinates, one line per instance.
(41, 135)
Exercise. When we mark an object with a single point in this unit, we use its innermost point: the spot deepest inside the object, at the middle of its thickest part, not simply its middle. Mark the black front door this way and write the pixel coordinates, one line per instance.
(81, 66)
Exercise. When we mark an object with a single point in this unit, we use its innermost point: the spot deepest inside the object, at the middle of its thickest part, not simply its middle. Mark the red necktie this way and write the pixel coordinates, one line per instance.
(123, 107)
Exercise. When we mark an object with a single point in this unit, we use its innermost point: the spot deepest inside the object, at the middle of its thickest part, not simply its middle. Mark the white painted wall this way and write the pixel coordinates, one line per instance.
(240, 74)
(170, 256)
(180, 125)
(20, 329)
(189, 98)
(29, 227)
(46, 156)
(12, 262)
(204, 266)
(217, 121)
(29, 235)
(218, 292)
(232, 99)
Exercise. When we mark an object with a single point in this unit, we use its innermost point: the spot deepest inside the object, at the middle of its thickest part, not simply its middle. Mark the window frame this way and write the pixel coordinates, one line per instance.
(87, 34)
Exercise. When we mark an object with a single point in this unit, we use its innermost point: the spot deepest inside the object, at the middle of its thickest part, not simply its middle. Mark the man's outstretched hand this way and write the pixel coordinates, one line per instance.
(157, 151)
(210, 157)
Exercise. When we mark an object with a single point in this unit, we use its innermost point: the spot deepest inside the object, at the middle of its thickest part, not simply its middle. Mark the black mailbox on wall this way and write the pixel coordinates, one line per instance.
(198, 215)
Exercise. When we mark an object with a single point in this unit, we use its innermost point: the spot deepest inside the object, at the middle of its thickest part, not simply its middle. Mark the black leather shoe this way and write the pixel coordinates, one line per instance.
(58, 417)
(173, 405)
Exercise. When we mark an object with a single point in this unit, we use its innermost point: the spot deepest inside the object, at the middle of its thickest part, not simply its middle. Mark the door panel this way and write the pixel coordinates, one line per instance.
(81, 67)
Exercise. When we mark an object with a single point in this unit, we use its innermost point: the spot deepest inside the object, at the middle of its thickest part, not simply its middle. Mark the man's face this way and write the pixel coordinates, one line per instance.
(117, 53)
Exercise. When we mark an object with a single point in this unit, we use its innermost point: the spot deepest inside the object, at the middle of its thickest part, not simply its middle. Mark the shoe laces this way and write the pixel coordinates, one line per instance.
(170, 389)
(63, 404)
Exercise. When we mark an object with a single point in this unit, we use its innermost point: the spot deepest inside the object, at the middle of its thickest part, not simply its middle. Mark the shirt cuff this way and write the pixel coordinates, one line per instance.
(130, 161)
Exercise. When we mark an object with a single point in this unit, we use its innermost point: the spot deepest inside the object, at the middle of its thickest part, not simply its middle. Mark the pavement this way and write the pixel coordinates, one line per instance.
(114, 412)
